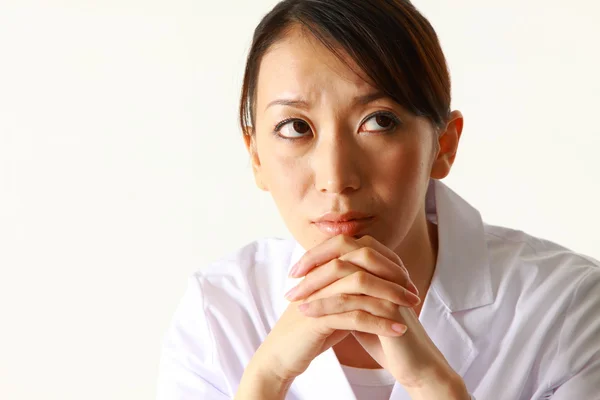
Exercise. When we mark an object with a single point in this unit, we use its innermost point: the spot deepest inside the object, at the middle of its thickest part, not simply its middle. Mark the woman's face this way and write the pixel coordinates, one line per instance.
(330, 148)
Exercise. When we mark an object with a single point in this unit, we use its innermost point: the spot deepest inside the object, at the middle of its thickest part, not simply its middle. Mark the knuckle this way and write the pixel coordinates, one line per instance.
(337, 265)
(341, 299)
(384, 305)
(360, 278)
(367, 254)
(357, 317)
(367, 240)
(390, 308)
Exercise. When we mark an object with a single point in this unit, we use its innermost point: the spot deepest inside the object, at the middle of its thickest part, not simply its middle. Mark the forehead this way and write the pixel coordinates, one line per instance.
(299, 64)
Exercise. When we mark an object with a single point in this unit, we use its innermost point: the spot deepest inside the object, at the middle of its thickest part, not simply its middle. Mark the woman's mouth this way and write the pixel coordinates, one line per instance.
(349, 224)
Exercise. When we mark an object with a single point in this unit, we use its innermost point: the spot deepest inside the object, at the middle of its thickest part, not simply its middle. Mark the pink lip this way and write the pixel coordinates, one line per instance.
(350, 223)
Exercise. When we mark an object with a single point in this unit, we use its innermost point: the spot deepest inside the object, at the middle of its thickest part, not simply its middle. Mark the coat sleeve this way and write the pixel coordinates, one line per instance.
(188, 369)
(577, 361)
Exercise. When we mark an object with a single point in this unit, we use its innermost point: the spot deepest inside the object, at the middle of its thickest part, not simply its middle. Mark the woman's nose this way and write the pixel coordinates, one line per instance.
(336, 166)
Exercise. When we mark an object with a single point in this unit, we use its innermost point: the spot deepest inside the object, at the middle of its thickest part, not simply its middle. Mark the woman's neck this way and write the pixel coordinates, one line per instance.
(419, 253)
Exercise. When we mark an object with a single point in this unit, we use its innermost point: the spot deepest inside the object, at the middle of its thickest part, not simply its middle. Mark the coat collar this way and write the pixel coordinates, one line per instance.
(462, 276)
(461, 281)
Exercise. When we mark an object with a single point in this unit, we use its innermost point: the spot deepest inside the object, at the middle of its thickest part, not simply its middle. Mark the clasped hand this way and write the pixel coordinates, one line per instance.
(366, 289)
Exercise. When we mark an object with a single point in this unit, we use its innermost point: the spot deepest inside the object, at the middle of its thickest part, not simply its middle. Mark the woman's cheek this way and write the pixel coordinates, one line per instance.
(288, 181)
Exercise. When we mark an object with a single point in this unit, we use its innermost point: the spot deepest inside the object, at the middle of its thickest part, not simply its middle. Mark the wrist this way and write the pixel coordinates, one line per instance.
(448, 386)
(261, 384)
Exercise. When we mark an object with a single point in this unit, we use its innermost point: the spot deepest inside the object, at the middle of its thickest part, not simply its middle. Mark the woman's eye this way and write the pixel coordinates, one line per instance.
(293, 129)
(380, 123)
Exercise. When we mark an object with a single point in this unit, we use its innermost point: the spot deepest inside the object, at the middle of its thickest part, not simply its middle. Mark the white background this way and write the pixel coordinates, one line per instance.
(122, 169)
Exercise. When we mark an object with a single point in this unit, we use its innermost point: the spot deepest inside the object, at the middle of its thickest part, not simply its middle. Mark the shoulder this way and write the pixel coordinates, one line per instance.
(222, 318)
(256, 263)
(541, 283)
(516, 253)
(242, 280)
(547, 301)
(243, 287)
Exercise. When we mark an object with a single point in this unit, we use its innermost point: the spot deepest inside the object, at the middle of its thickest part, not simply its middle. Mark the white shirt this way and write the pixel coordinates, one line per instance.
(516, 316)
(370, 384)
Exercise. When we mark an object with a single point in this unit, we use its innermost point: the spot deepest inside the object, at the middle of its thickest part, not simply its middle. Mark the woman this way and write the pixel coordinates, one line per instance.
(399, 290)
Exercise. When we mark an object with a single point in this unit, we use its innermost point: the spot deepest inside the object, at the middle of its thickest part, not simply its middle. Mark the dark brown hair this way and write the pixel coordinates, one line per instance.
(389, 40)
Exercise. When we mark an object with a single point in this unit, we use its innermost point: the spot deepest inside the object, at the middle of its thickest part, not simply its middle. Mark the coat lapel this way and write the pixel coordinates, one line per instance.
(448, 335)
(462, 278)
(461, 281)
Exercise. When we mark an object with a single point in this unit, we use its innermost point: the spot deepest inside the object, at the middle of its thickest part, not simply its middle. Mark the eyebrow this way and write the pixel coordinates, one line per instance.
(303, 104)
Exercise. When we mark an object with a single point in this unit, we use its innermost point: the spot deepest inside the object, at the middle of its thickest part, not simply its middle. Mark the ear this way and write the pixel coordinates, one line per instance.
(250, 142)
(447, 146)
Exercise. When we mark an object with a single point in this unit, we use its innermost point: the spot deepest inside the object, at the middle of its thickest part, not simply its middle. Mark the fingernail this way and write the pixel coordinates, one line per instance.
(294, 270)
(413, 298)
(303, 306)
(290, 294)
(413, 288)
(399, 328)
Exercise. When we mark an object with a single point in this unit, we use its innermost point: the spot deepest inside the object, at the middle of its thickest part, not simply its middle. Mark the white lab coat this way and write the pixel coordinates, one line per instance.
(516, 316)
